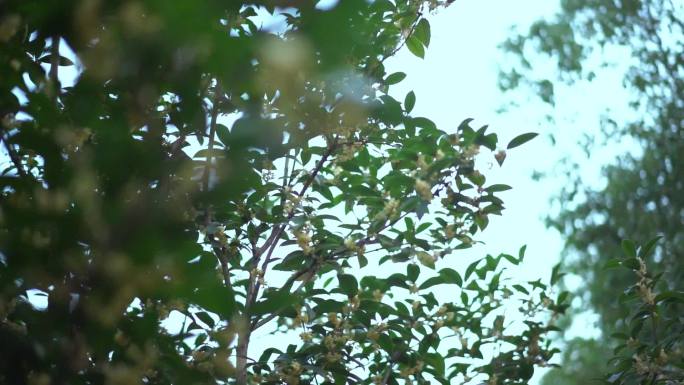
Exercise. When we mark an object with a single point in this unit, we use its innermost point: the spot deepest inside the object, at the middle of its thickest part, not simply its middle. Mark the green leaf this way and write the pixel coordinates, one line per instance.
(327, 305)
(223, 133)
(415, 46)
(464, 298)
(426, 259)
(497, 188)
(488, 141)
(348, 284)
(266, 355)
(436, 361)
(424, 123)
(206, 318)
(451, 276)
(676, 296)
(412, 272)
(521, 139)
(422, 32)
(409, 101)
(521, 289)
(432, 281)
(395, 78)
(423, 226)
(363, 261)
(629, 248)
(63, 62)
(274, 301)
(556, 274)
(306, 155)
(471, 268)
(631, 263)
(525, 370)
(203, 153)
(645, 251)
(510, 258)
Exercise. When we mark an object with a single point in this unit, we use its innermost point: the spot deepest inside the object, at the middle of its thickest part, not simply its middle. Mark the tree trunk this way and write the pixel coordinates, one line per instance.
(241, 360)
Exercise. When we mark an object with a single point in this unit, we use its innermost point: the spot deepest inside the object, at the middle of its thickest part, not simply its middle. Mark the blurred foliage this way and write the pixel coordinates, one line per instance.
(644, 192)
(650, 346)
(205, 177)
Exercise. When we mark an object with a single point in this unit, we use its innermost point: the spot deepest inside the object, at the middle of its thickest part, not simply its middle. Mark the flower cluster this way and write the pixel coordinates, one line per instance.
(426, 259)
(304, 240)
(389, 211)
(423, 189)
(644, 284)
(349, 151)
(292, 200)
(408, 371)
(354, 246)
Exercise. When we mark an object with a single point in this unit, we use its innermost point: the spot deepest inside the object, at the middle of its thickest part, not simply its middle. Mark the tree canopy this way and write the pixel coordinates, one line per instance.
(178, 162)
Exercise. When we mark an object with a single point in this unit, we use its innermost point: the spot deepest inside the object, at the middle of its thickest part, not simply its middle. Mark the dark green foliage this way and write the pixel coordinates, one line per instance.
(650, 340)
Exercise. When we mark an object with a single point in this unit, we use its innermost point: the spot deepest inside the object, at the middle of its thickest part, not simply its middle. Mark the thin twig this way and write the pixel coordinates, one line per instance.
(259, 323)
(54, 68)
(14, 157)
(400, 46)
(212, 134)
(385, 378)
(279, 229)
(285, 176)
(272, 240)
(219, 250)
(268, 258)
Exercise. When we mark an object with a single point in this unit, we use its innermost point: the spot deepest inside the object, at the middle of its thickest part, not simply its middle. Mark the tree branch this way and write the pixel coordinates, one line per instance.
(212, 134)
(253, 288)
(53, 75)
(362, 242)
(272, 240)
(385, 378)
(219, 250)
(279, 229)
(14, 157)
(259, 323)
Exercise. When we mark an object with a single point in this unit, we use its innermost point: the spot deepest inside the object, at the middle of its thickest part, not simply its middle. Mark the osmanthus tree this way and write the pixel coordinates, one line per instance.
(202, 169)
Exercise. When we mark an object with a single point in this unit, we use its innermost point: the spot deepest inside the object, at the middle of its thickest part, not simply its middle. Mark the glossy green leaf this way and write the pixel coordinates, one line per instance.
(409, 101)
(629, 248)
(395, 78)
(422, 32)
(415, 46)
(348, 284)
(521, 139)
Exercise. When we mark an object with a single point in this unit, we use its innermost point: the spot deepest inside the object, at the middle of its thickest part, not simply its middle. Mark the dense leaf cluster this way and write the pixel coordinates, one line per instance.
(651, 340)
